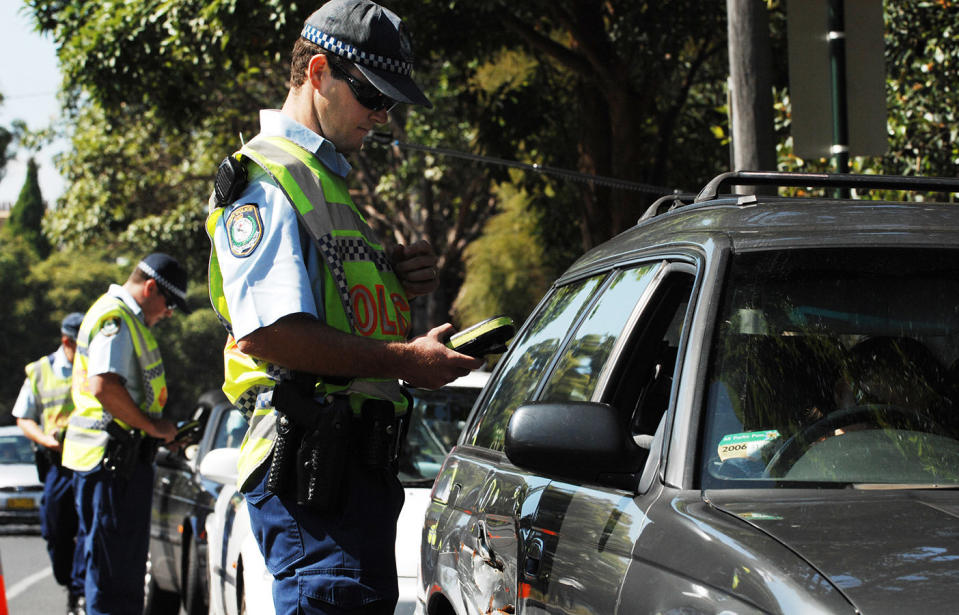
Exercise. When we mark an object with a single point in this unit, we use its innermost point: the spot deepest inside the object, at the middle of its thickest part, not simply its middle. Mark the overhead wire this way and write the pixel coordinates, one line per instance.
(611, 182)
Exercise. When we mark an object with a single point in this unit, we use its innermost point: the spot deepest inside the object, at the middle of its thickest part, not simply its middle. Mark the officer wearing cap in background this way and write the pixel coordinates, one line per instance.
(42, 410)
(318, 314)
(119, 390)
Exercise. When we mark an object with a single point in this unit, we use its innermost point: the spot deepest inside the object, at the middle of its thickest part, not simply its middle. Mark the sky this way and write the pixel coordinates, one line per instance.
(29, 80)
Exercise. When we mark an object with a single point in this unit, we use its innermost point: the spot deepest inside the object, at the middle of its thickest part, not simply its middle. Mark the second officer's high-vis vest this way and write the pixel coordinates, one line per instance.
(86, 438)
(361, 293)
(52, 393)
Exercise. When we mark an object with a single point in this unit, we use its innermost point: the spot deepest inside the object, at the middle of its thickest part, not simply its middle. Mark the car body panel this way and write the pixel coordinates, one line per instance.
(886, 550)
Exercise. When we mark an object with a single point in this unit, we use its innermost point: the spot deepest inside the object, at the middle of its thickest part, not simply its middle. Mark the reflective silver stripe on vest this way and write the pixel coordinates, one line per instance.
(85, 422)
(96, 438)
(62, 397)
(263, 427)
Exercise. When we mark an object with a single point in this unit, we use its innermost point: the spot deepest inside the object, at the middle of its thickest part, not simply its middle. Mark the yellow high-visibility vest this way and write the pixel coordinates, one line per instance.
(86, 438)
(52, 393)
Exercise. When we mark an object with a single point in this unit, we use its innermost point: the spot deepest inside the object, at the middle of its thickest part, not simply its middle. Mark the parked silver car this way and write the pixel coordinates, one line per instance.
(744, 404)
(20, 489)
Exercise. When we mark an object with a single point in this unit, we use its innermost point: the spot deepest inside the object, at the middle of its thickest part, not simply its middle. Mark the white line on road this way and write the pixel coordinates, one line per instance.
(21, 586)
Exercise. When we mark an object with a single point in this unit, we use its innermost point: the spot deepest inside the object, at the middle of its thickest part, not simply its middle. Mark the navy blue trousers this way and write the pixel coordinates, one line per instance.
(115, 523)
(58, 525)
(336, 563)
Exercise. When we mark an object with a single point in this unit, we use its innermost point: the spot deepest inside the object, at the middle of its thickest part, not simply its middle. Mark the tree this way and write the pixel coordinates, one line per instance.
(632, 86)
(26, 217)
(6, 137)
(506, 268)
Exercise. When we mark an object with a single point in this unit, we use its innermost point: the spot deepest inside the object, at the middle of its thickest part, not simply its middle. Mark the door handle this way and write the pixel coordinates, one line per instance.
(534, 558)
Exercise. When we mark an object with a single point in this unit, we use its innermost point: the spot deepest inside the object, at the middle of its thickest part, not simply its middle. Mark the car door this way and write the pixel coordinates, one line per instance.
(625, 353)
(481, 504)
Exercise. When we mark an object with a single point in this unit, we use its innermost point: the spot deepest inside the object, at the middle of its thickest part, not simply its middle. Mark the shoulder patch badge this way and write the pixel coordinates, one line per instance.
(244, 229)
(110, 327)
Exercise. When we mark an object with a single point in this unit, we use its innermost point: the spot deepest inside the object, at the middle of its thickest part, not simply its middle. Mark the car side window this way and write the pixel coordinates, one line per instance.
(529, 357)
(642, 383)
(231, 430)
(578, 370)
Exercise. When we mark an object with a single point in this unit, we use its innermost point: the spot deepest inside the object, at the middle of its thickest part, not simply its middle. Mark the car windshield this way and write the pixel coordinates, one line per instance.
(435, 423)
(835, 368)
(15, 449)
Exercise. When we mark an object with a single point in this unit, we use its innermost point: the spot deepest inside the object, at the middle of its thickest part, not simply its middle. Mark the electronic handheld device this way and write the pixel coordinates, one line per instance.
(483, 338)
(188, 432)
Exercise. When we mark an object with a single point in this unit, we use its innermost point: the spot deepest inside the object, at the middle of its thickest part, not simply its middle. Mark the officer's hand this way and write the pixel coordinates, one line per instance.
(52, 443)
(161, 429)
(415, 266)
(434, 364)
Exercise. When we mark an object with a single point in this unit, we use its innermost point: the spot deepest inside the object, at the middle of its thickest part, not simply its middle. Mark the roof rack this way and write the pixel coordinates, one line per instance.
(675, 199)
(823, 180)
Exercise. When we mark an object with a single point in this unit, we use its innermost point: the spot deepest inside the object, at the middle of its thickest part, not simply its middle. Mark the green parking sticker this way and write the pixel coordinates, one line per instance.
(738, 445)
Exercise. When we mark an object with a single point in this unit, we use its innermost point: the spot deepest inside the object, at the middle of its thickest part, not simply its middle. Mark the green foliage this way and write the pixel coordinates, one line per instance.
(26, 217)
(37, 295)
(922, 63)
(506, 271)
(192, 350)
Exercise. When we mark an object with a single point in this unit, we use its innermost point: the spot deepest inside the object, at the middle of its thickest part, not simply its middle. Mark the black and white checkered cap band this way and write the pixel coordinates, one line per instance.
(356, 55)
(147, 269)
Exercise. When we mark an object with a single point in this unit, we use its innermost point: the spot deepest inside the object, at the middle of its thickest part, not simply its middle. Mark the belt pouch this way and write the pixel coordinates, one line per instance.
(323, 455)
(378, 434)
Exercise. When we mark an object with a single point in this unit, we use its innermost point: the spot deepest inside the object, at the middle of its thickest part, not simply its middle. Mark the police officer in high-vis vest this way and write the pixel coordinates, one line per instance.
(119, 390)
(42, 410)
(318, 314)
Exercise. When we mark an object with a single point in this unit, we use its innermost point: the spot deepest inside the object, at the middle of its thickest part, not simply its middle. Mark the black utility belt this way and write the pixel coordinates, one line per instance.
(316, 442)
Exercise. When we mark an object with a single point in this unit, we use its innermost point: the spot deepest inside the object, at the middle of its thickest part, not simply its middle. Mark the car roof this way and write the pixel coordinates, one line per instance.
(750, 222)
(11, 430)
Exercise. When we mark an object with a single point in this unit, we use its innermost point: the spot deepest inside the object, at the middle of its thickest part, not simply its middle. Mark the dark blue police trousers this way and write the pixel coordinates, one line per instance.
(58, 526)
(115, 523)
(336, 563)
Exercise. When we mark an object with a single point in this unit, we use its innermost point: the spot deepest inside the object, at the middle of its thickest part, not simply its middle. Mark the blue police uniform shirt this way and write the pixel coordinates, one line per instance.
(283, 273)
(27, 406)
(115, 354)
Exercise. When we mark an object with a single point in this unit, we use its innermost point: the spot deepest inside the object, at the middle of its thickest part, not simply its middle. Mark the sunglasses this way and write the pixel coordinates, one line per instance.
(170, 302)
(364, 92)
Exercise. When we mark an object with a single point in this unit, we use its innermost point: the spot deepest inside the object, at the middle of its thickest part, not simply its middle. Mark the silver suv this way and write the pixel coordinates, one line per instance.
(744, 404)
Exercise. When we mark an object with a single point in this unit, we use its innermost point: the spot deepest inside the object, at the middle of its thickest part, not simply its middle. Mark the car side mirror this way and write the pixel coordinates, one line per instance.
(219, 465)
(581, 441)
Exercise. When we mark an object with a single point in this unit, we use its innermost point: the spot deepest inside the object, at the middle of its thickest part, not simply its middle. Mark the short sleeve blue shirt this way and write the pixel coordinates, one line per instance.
(115, 354)
(282, 274)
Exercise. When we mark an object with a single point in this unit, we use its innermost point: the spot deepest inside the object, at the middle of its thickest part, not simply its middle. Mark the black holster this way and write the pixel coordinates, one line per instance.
(123, 450)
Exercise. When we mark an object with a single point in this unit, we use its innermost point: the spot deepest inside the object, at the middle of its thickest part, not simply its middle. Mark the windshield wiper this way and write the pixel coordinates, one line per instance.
(901, 486)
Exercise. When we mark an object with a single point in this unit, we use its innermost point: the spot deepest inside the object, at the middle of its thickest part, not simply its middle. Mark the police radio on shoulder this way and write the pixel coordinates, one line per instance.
(483, 338)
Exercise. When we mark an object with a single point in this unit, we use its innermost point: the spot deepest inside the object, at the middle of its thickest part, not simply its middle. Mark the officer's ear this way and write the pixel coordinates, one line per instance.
(315, 70)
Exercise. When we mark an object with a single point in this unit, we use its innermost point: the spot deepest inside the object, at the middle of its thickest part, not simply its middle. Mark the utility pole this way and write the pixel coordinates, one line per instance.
(751, 98)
